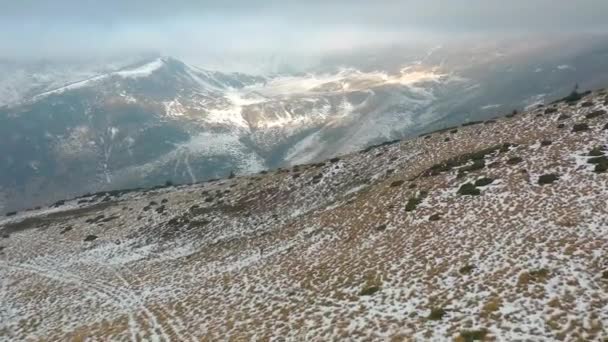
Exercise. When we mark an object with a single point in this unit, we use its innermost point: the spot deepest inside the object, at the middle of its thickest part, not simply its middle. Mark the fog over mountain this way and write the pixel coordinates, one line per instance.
(244, 34)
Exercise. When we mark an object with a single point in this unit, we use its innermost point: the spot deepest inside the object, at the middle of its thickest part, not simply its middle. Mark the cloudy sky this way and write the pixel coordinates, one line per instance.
(238, 29)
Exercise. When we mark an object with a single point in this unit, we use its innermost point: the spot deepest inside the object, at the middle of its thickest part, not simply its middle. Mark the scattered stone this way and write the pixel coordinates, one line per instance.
(435, 217)
(65, 230)
(546, 143)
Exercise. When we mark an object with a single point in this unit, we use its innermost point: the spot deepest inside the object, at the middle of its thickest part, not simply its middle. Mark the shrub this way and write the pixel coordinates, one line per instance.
(514, 160)
(368, 291)
(547, 179)
(397, 183)
(372, 285)
(12, 213)
(473, 335)
(478, 164)
(484, 181)
(563, 117)
(596, 151)
(463, 159)
(538, 274)
(595, 114)
(601, 168)
(381, 227)
(601, 163)
(574, 96)
(587, 104)
(466, 269)
(468, 189)
(334, 160)
(580, 127)
(560, 126)
(437, 314)
(598, 160)
(550, 110)
(546, 143)
(413, 202)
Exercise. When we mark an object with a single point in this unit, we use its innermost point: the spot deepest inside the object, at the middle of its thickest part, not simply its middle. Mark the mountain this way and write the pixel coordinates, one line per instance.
(159, 119)
(492, 230)
(165, 120)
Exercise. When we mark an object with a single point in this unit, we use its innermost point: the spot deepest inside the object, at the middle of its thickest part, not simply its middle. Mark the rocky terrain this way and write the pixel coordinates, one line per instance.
(493, 230)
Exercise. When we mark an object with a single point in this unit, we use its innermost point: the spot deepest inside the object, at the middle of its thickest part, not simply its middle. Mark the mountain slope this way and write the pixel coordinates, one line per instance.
(163, 120)
(386, 243)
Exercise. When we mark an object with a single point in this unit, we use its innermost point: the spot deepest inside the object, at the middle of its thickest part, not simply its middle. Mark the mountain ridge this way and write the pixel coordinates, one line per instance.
(156, 121)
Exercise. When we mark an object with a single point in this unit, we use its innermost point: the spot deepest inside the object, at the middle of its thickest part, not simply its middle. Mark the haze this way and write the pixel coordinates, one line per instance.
(245, 32)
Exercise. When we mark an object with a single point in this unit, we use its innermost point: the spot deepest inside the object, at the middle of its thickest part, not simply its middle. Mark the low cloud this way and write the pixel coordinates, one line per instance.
(249, 31)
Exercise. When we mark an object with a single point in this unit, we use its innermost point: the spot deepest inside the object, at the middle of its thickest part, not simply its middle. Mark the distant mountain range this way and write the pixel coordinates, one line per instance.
(162, 120)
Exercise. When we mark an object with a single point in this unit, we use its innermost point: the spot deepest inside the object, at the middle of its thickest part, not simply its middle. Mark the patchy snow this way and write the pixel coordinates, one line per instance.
(564, 67)
(141, 71)
(491, 106)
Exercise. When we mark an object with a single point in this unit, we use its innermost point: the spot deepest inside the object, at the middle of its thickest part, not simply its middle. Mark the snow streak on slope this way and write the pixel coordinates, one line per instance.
(142, 71)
